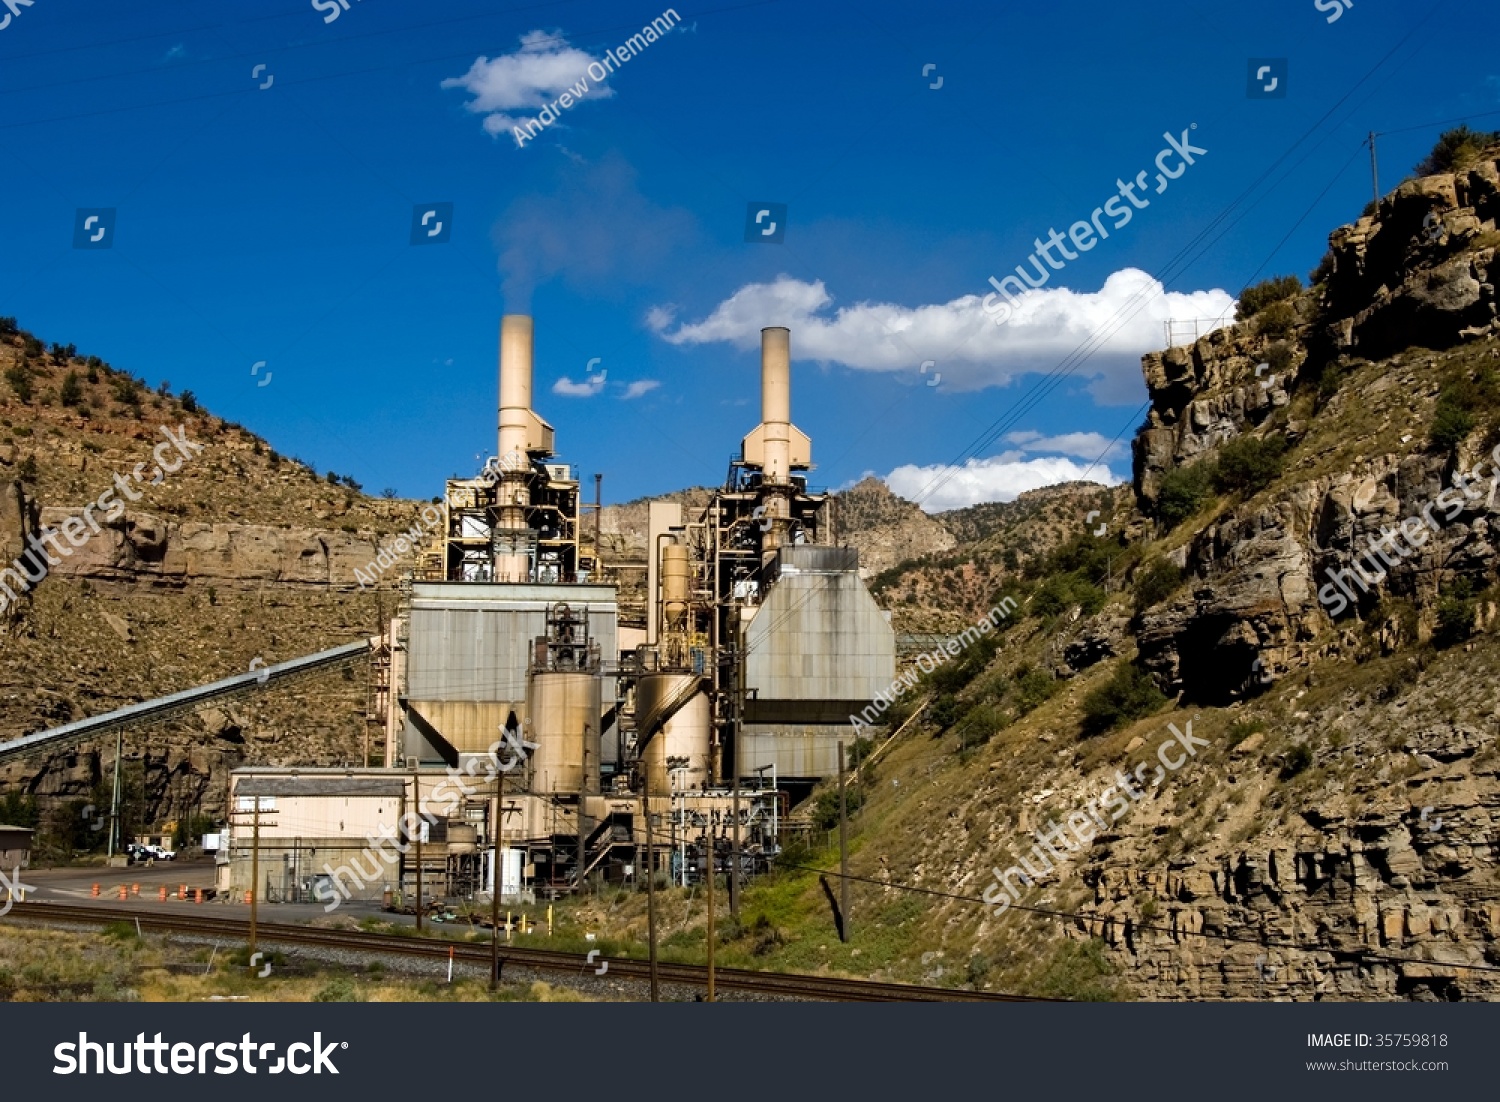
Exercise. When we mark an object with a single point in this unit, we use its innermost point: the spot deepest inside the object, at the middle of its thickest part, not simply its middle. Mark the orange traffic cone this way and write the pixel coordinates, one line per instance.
(95, 892)
(248, 897)
(124, 892)
(135, 889)
(182, 892)
(162, 894)
(197, 895)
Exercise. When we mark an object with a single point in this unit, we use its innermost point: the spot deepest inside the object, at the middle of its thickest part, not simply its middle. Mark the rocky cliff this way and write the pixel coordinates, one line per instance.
(1336, 834)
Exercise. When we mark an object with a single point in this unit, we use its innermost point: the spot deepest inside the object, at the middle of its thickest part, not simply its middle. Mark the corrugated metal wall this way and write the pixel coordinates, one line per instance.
(820, 636)
(470, 642)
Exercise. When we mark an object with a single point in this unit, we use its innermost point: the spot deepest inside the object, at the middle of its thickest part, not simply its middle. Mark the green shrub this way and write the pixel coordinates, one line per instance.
(9, 327)
(19, 379)
(1276, 320)
(826, 810)
(1323, 272)
(945, 711)
(189, 402)
(1454, 416)
(340, 990)
(1079, 972)
(1298, 758)
(1182, 492)
(1456, 149)
(1032, 688)
(1248, 464)
(71, 392)
(1061, 592)
(1128, 695)
(1241, 729)
(1456, 612)
(1157, 581)
(1280, 357)
(1255, 299)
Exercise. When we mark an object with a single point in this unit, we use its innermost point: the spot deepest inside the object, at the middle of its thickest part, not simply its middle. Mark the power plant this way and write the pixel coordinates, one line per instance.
(673, 724)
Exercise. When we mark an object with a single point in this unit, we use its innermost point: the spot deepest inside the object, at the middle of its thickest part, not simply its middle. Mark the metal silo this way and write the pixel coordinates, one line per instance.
(673, 709)
(565, 710)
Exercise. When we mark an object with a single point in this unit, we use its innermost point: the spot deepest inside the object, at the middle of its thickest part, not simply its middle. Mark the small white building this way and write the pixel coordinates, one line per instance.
(324, 834)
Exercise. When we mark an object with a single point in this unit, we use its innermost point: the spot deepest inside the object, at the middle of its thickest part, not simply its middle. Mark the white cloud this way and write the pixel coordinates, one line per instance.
(535, 75)
(1083, 445)
(639, 388)
(970, 350)
(1003, 477)
(586, 389)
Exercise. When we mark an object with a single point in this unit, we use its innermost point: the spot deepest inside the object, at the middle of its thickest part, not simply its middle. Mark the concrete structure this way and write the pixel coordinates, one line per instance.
(318, 833)
(756, 643)
(817, 650)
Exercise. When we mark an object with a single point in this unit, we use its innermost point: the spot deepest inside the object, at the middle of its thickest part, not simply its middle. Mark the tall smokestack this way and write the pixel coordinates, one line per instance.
(523, 437)
(516, 336)
(776, 403)
(776, 446)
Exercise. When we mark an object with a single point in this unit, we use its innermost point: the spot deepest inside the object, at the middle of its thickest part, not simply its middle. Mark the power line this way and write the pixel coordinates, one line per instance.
(1172, 270)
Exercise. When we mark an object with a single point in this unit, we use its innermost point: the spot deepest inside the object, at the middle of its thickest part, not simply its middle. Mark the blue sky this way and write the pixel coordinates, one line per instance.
(274, 223)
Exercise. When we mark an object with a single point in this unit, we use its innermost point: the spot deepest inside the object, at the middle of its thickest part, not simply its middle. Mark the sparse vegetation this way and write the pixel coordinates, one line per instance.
(1297, 760)
(1183, 491)
(1277, 320)
(1128, 695)
(1256, 298)
(1456, 149)
(1155, 582)
(1456, 612)
(1248, 464)
(71, 391)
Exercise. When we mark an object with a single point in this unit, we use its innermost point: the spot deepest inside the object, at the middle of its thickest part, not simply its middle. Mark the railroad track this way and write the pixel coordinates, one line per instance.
(790, 985)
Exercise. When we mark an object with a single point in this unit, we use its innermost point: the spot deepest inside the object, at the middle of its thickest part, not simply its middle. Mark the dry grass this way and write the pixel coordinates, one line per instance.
(114, 965)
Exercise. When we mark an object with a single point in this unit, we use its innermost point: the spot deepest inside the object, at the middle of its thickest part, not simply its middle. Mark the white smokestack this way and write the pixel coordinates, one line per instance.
(516, 335)
(776, 402)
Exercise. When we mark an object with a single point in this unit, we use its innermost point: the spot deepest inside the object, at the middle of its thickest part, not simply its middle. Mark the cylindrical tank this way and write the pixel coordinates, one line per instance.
(515, 383)
(685, 735)
(675, 584)
(565, 712)
(776, 402)
(462, 837)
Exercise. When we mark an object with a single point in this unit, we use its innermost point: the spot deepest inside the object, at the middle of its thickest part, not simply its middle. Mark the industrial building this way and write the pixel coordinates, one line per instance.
(570, 708)
(759, 641)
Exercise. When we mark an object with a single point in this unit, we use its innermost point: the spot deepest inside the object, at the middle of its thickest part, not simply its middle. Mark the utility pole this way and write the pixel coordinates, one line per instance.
(495, 868)
(598, 525)
(1374, 168)
(254, 873)
(416, 800)
(734, 779)
(650, 876)
(709, 835)
(236, 820)
(114, 802)
(843, 845)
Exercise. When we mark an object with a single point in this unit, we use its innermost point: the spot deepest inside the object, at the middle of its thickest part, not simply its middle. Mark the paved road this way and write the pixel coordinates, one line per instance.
(75, 886)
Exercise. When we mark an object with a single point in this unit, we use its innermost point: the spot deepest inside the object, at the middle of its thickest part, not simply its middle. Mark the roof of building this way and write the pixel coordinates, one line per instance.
(319, 786)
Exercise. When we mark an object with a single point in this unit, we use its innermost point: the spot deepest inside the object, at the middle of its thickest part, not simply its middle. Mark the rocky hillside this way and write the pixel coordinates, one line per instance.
(1333, 832)
(238, 554)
